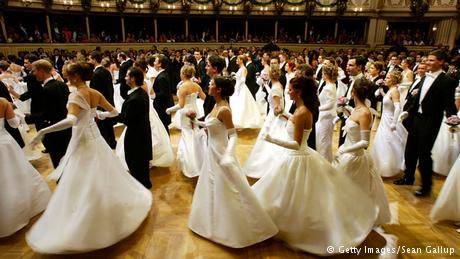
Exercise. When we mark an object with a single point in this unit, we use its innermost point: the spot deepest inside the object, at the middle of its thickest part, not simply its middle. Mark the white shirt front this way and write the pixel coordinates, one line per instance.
(133, 89)
(47, 80)
(430, 77)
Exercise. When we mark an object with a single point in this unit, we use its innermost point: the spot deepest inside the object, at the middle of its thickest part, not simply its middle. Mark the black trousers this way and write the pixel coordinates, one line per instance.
(342, 124)
(139, 169)
(107, 132)
(420, 141)
(56, 144)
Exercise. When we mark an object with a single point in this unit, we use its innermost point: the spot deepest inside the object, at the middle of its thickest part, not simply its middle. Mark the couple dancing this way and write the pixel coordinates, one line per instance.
(89, 172)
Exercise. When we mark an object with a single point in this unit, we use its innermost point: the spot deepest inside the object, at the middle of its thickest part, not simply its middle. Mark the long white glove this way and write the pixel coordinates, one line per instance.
(172, 109)
(403, 116)
(61, 125)
(363, 143)
(396, 113)
(227, 159)
(199, 123)
(14, 122)
(290, 144)
(103, 115)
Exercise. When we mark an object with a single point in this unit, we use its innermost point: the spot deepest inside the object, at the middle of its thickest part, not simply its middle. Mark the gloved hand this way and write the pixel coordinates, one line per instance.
(403, 116)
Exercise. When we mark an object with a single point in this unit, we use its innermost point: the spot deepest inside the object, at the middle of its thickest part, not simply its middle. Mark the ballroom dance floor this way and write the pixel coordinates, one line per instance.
(164, 234)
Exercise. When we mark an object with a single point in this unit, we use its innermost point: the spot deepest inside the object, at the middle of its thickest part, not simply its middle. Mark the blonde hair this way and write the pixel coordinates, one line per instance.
(188, 71)
(331, 71)
(274, 72)
(43, 65)
(395, 76)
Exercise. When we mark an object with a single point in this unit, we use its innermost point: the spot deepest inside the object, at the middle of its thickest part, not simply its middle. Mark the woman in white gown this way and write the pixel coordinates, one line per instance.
(446, 148)
(390, 139)
(96, 203)
(261, 156)
(161, 145)
(224, 208)
(191, 146)
(353, 160)
(245, 112)
(313, 205)
(23, 191)
(327, 111)
(447, 205)
(407, 79)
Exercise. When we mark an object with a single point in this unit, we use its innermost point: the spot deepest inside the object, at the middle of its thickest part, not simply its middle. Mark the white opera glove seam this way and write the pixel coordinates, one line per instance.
(106, 114)
(173, 109)
(363, 143)
(396, 113)
(61, 125)
(290, 144)
(14, 122)
(227, 159)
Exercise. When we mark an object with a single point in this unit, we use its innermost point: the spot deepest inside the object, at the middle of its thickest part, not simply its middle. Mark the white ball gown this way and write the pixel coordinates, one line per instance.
(388, 149)
(245, 111)
(312, 204)
(447, 205)
(324, 125)
(224, 208)
(359, 167)
(23, 191)
(263, 152)
(192, 141)
(163, 155)
(403, 88)
(96, 203)
(446, 149)
(177, 119)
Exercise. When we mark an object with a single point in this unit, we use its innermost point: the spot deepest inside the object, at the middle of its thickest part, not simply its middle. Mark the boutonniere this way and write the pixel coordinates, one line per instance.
(414, 92)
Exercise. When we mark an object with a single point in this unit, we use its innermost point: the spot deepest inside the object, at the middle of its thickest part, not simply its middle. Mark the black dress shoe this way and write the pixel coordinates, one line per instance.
(403, 181)
(422, 193)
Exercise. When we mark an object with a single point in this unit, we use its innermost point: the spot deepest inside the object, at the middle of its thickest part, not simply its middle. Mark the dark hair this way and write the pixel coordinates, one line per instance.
(190, 59)
(96, 55)
(4, 65)
(12, 58)
(151, 60)
(360, 61)
(122, 55)
(307, 87)
(137, 74)
(142, 64)
(362, 88)
(217, 62)
(82, 69)
(31, 57)
(378, 66)
(226, 85)
(163, 61)
(440, 55)
(305, 70)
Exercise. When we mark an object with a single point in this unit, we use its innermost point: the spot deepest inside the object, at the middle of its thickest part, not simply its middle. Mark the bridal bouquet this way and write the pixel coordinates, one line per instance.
(380, 82)
(191, 115)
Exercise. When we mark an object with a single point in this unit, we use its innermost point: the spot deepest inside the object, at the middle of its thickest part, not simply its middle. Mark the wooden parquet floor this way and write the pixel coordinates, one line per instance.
(165, 234)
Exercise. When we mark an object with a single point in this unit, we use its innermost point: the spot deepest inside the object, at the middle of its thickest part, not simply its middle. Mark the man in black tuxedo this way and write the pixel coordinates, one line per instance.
(251, 80)
(163, 96)
(355, 68)
(214, 67)
(102, 82)
(54, 96)
(125, 64)
(138, 138)
(412, 94)
(434, 96)
(232, 67)
(394, 64)
(201, 69)
(58, 61)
